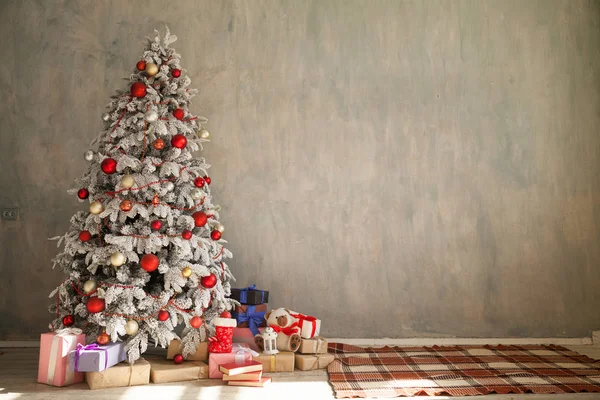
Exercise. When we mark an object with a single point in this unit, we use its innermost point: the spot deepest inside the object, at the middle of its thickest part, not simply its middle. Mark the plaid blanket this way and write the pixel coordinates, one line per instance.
(459, 370)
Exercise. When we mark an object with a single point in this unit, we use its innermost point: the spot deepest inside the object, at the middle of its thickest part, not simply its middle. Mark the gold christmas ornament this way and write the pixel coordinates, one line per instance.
(131, 327)
(219, 227)
(105, 117)
(197, 194)
(151, 116)
(151, 69)
(96, 208)
(89, 155)
(127, 181)
(186, 272)
(89, 286)
(204, 134)
(117, 259)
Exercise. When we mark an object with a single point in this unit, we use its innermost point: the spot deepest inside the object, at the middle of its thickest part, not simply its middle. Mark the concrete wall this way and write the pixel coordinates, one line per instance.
(399, 168)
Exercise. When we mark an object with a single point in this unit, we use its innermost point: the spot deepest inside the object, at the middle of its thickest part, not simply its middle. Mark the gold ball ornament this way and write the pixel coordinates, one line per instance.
(127, 181)
(132, 327)
(219, 227)
(89, 156)
(197, 194)
(204, 134)
(186, 272)
(151, 116)
(105, 117)
(117, 259)
(89, 286)
(96, 208)
(151, 69)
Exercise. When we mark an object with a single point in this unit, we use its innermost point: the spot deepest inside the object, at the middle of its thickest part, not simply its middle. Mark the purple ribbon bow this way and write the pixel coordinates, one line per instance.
(94, 346)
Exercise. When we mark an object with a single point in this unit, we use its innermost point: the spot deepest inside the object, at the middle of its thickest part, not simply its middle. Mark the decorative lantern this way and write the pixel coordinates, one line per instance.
(270, 341)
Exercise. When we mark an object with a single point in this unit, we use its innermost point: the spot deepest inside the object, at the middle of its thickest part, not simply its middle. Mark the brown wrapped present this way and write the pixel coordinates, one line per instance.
(316, 345)
(308, 362)
(201, 353)
(280, 362)
(164, 371)
(120, 375)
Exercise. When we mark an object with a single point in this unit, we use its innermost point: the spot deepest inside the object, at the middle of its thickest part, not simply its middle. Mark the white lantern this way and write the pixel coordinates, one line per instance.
(270, 341)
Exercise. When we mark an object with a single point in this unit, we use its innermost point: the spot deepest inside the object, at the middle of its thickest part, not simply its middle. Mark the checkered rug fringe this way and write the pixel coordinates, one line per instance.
(460, 371)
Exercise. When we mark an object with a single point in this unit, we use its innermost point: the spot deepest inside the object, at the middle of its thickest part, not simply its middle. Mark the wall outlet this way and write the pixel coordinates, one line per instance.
(10, 213)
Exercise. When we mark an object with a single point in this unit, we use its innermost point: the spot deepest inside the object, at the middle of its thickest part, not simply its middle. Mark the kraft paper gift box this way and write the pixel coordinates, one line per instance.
(245, 336)
(54, 366)
(248, 316)
(120, 375)
(308, 362)
(280, 362)
(238, 355)
(164, 371)
(201, 353)
(250, 295)
(93, 357)
(316, 345)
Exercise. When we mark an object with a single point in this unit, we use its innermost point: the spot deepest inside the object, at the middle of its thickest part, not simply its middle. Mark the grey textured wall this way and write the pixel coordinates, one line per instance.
(398, 168)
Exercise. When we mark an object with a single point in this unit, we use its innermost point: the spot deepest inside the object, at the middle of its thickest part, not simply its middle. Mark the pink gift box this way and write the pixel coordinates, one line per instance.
(239, 354)
(55, 368)
(244, 335)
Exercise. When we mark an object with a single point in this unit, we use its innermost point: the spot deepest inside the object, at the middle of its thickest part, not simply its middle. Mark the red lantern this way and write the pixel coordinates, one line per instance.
(155, 200)
(177, 358)
(176, 73)
(83, 193)
(149, 262)
(199, 182)
(109, 166)
(209, 281)
(138, 89)
(196, 322)
(155, 225)
(207, 179)
(141, 65)
(68, 320)
(178, 113)
(163, 315)
(215, 235)
(200, 218)
(84, 236)
(95, 304)
(187, 234)
(179, 141)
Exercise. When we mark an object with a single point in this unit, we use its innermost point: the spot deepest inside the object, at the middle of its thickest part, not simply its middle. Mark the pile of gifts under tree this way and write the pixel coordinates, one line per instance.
(248, 342)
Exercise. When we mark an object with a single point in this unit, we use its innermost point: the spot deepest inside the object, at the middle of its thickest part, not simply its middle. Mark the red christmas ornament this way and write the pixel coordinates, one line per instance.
(126, 205)
(84, 236)
(199, 182)
(138, 89)
(177, 358)
(179, 141)
(163, 315)
(207, 179)
(103, 339)
(200, 218)
(95, 304)
(225, 314)
(83, 193)
(141, 65)
(109, 166)
(176, 73)
(209, 281)
(196, 322)
(149, 262)
(178, 113)
(158, 144)
(68, 320)
(187, 235)
(155, 225)
(155, 200)
(215, 235)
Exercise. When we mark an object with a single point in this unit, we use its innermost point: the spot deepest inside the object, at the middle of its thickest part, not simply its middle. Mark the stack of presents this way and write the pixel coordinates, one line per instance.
(253, 341)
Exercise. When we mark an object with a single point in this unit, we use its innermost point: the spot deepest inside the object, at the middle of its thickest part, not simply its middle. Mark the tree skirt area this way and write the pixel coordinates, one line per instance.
(460, 370)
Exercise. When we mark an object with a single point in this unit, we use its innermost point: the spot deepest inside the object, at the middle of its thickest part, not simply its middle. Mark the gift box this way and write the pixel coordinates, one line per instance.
(97, 358)
(54, 366)
(238, 355)
(245, 336)
(316, 345)
(120, 375)
(250, 295)
(201, 353)
(308, 362)
(251, 317)
(309, 326)
(280, 362)
(164, 371)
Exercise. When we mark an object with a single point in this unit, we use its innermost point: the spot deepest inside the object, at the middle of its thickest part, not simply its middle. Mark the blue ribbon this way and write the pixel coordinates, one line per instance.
(253, 317)
(94, 346)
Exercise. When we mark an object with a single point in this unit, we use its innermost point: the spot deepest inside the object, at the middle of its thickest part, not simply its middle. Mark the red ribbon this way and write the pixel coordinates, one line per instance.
(290, 330)
(308, 318)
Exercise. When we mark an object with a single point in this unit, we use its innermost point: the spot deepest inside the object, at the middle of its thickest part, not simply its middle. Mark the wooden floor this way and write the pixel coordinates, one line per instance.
(18, 372)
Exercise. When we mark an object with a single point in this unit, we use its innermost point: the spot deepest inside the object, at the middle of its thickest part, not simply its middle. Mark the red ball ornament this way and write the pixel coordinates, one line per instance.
(109, 166)
(83, 193)
(141, 65)
(68, 320)
(95, 304)
(158, 144)
(178, 113)
(207, 179)
(155, 225)
(179, 141)
(126, 205)
(149, 262)
(200, 218)
(196, 322)
(199, 182)
(225, 314)
(209, 281)
(103, 339)
(187, 234)
(176, 73)
(84, 236)
(138, 89)
(215, 235)
(163, 315)
(177, 358)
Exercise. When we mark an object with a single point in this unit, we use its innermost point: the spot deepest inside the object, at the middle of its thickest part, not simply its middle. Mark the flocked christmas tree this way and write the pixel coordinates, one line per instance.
(147, 253)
